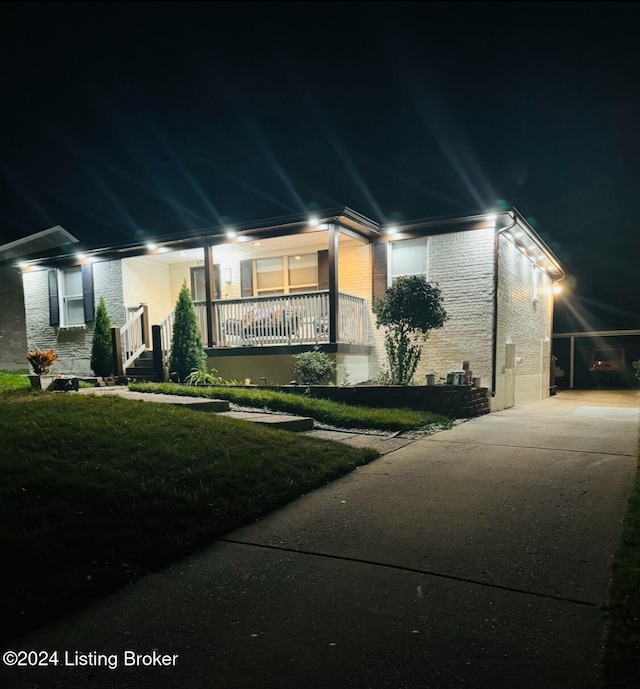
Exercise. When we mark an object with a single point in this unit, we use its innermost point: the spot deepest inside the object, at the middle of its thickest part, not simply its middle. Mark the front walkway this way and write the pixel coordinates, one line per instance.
(478, 557)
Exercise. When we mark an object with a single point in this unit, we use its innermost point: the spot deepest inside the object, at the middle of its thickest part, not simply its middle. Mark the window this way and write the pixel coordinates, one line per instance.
(286, 274)
(71, 301)
(71, 296)
(407, 257)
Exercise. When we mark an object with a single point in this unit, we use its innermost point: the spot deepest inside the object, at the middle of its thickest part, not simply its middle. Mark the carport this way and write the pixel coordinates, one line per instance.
(628, 340)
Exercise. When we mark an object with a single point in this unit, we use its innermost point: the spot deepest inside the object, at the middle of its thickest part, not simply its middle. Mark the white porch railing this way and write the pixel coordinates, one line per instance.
(353, 319)
(287, 319)
(260, 321)
(132, 338)
(166, 336)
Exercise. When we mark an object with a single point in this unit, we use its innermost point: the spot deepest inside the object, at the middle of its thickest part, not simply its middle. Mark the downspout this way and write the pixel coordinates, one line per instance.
(496, 257)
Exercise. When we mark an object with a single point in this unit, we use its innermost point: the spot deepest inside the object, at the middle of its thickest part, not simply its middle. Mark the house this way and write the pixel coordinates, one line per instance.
(266, 290)
(13, 334)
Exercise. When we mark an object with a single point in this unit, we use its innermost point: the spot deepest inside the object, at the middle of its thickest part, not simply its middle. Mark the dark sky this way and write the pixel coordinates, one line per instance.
(125, 120)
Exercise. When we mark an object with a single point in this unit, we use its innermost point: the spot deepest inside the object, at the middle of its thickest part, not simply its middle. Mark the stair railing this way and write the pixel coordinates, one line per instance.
(130, 340)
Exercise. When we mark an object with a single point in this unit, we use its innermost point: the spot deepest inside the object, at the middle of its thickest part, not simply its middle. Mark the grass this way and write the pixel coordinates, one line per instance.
(621, 664)
(14, 380)
(97, 491)
(326, 411)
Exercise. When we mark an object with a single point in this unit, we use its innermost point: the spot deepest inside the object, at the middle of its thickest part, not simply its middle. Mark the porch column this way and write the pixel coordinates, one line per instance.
(333, 284)
(209, 293)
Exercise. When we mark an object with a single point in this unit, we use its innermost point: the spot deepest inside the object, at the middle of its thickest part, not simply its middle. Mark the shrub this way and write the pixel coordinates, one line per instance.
(187, 353)
(101, 347)
(313, 367)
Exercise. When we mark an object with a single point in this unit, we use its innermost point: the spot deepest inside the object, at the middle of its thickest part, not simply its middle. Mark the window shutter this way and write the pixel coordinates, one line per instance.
(246, 278)
(379, 278)
(323, 269)
(87, 293)
(54, 302)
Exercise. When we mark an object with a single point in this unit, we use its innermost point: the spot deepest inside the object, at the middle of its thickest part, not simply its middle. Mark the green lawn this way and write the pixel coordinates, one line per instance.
(621, 667)
(14, 380)
(99, 490)
(326, 411)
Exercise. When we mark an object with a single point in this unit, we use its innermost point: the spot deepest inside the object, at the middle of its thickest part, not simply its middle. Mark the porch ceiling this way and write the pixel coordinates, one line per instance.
(255, 249)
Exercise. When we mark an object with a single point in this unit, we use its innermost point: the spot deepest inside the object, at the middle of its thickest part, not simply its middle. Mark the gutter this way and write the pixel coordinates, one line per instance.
(494, 344)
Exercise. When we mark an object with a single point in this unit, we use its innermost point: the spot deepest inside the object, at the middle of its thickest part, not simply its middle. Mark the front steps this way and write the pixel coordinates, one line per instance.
(142, 368)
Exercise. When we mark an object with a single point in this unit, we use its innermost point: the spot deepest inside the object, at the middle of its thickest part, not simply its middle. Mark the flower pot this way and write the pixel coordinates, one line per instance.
(43, 382)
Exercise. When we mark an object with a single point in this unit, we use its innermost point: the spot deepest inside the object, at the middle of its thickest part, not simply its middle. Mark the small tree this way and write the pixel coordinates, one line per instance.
(187, 353)
(410, 308)
(101, 347)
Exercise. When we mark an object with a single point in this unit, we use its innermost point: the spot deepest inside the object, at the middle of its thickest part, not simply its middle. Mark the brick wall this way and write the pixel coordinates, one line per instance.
(525, 311)
(72, 345)
(13, 339)
(461, 264)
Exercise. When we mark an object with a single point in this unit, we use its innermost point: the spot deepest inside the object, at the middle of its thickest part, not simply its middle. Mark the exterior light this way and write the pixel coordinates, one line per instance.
(391, 230)
(80, 256)
(314, 221)
(23, 265)
(151, 246)
(557, 289)
(231, 233)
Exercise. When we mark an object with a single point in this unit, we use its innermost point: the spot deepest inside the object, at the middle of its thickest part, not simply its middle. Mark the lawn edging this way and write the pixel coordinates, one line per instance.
(323, 410)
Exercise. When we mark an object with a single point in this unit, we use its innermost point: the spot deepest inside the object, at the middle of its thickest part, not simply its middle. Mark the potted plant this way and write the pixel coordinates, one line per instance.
(41, 362)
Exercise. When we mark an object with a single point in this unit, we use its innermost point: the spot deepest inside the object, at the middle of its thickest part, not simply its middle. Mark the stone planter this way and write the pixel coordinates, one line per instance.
(43, 382)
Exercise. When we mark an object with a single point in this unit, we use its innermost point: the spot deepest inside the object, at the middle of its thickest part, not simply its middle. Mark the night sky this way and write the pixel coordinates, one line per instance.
(129, 120)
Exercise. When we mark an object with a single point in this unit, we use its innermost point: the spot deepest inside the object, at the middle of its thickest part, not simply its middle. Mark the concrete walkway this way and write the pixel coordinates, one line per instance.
(478, 557)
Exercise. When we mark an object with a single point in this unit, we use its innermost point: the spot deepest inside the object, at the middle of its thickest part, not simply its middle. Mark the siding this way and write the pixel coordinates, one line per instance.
(146, 281)
(72, 345)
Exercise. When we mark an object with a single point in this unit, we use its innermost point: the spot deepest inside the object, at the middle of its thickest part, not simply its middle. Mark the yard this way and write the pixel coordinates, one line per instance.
(91, 499)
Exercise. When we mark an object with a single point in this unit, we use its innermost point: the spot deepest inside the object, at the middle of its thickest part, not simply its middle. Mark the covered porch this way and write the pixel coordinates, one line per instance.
(309, 286)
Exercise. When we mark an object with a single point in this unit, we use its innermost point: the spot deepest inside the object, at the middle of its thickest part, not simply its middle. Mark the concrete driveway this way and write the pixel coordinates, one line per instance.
(478, 557)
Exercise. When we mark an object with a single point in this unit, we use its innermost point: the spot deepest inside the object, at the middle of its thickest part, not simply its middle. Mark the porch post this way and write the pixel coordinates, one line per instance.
(116, 344)
(158, 354)
(209, 294)
(333, 283)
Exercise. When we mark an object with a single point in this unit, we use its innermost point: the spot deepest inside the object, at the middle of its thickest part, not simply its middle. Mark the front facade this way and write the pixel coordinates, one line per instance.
(266, 291)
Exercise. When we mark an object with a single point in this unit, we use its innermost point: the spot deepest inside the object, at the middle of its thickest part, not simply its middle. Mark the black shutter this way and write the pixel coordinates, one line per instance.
(54, 301)
(87, 293)
(379, 277)
(246, 278)
(323, 269)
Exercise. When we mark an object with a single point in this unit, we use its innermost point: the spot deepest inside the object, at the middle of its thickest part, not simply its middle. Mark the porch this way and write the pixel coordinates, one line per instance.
(248, 325)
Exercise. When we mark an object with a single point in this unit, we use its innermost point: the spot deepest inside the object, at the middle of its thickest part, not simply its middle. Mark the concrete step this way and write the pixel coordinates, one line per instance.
(286, 422)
